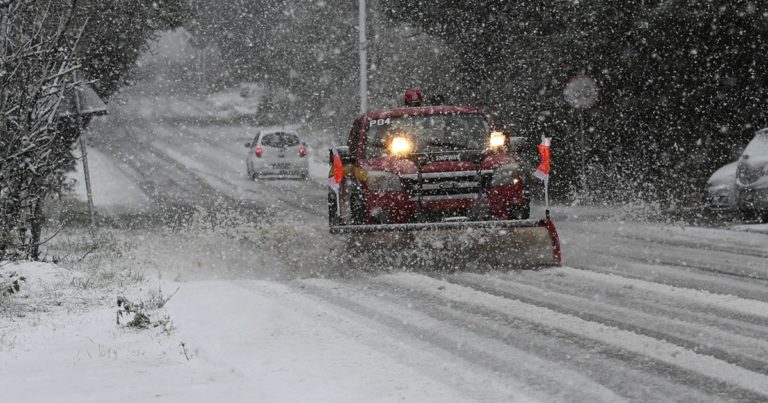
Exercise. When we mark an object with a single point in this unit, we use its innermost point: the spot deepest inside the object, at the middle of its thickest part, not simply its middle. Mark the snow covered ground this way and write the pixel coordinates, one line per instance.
(267, 311)
(242, 341)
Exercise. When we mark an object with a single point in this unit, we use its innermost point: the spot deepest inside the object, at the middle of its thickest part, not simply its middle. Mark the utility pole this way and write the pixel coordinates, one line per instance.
(583, 146)
(363, 57)
(374, 52)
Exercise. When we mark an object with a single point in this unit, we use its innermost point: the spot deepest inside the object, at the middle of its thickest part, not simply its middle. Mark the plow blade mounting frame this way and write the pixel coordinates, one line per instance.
(545, 223)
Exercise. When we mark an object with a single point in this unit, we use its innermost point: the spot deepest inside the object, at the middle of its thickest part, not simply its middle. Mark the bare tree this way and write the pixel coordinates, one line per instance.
(41, 43)
(36, 58)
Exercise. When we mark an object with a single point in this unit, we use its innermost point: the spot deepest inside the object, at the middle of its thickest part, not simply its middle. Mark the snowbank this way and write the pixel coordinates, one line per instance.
(756, 228)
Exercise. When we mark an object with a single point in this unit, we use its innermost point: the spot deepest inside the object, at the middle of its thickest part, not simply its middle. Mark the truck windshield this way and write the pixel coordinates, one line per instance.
(430, 134)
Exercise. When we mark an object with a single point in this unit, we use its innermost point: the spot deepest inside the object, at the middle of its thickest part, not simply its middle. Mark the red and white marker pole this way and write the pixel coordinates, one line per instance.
(542, 172)
(337, 176)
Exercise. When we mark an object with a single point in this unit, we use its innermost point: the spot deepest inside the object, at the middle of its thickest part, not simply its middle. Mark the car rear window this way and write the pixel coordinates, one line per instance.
(280, 140)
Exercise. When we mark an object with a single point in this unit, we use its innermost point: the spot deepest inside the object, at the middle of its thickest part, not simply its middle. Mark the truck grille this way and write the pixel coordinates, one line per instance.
(446, 185)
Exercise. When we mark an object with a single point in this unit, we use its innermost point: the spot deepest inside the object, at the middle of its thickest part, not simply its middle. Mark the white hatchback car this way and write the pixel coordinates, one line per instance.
(277, 153)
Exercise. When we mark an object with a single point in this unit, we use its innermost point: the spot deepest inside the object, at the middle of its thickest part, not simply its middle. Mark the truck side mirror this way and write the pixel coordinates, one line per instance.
(248, 145)
(346, 155)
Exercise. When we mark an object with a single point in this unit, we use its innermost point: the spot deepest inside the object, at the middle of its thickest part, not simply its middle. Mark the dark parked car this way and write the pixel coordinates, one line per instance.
(721, 187)
(751, 188)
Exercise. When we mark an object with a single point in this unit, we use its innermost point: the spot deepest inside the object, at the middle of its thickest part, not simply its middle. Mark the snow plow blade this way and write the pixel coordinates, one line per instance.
(524, 243)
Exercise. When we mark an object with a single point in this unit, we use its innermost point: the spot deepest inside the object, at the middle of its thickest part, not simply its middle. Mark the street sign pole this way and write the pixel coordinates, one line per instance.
(363, 57)
(83, 147)
(82, 101)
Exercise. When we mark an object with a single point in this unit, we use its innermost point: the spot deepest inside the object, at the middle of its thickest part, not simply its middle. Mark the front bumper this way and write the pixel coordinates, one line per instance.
(752, 198)
(281, 168)
(722, 197)
(400, 207)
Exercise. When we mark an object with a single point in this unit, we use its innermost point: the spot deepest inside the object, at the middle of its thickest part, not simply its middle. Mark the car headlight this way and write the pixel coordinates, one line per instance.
(383, 181)
(747, 174)
(506, 175)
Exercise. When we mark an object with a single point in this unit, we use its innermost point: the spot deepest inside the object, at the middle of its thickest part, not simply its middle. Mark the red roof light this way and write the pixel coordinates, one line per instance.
(413, 97)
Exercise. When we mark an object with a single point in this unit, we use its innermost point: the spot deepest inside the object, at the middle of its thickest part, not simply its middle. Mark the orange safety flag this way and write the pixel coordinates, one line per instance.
(337, 171)
(542, 172)
(338, 167)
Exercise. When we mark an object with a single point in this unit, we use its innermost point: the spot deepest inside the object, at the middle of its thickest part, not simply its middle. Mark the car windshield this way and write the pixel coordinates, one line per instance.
(758, 146)
(430, 134)
(280, 140)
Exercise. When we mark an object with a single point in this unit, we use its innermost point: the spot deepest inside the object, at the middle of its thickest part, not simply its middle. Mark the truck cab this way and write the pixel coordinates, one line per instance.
(426, 164)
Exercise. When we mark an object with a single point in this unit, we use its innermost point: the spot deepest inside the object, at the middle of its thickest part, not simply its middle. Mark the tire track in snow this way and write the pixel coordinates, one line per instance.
(753, 384)
(723, 301)
(692, 245)
(629, 375)
(747, 352)
(237, 184)
(198, 172)
(701, 258)
(716, 240)
(177, 192)
(722, 268)
(491, 353)
(155, 167)
(679, 276)
(352, 321)
(640, 379)
(562, 282)
(165, 182)
(583, 251)
(274, 206)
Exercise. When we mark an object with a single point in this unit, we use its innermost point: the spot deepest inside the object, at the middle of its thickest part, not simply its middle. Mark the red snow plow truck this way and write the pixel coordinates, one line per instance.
(439, 172)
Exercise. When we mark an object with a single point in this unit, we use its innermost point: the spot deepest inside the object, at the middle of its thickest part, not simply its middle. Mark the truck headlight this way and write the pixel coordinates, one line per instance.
(383, 181)
(400, 145)
(497, 140)
(506, 175)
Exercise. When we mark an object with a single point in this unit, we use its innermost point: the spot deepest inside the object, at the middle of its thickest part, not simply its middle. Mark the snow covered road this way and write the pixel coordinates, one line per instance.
(641, 311)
